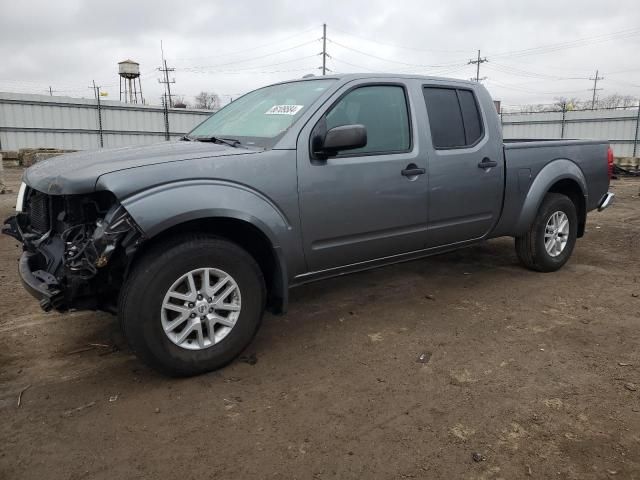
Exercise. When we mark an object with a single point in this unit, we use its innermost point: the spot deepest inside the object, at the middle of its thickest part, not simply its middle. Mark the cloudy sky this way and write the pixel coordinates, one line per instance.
(536, 51)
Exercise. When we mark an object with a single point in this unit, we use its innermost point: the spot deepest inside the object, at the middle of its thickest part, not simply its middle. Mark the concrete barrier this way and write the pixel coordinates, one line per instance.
(29, 156)
(628, 163)
(10, 158)
(39, 156)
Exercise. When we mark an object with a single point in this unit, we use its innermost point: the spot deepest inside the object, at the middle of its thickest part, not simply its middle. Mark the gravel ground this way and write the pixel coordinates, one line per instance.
(536, 374)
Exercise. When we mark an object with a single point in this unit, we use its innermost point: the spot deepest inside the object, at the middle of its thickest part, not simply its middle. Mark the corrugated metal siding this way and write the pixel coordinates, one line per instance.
(39, 121)
(35, 121)
(615, 125)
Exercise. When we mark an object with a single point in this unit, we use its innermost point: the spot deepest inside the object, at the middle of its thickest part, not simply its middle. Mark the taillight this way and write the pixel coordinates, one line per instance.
(610, 162)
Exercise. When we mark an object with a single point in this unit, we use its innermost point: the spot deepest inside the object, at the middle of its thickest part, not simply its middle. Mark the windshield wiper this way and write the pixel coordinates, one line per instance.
(232, 142)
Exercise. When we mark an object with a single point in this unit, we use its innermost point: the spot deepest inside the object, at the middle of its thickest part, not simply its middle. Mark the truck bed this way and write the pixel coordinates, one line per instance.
(526, 159)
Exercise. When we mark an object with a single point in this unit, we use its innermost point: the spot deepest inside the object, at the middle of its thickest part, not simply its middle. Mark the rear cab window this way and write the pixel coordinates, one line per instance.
(454, 117)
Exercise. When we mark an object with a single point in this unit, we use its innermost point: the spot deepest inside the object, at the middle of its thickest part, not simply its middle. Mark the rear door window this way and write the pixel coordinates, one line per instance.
(454, 117)
(470, 116)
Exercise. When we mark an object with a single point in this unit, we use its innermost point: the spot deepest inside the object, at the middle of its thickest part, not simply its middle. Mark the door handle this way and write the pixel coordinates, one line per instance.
(486, 163)
(412, 170)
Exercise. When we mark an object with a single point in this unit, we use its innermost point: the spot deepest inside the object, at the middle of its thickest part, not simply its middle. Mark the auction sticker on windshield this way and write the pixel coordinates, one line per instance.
(284, 110)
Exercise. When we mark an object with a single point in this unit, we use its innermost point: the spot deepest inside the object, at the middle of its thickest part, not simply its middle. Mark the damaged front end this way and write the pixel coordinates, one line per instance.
(76, 248)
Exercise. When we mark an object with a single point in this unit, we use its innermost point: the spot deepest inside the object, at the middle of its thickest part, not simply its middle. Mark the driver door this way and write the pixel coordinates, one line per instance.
(366, 203)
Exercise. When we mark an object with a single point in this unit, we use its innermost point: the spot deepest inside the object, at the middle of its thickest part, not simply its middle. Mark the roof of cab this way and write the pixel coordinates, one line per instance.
(365, 76)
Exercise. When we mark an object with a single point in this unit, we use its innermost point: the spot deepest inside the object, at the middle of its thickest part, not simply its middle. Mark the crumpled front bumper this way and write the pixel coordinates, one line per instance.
(66, 271)
(39, 283)
(12, 228)
(32, 269)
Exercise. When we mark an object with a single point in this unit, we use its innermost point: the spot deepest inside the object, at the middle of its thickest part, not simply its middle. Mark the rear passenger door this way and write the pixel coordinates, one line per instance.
(465, 167)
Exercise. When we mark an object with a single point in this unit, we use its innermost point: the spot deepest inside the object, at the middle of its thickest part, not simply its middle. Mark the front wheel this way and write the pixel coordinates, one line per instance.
(550, 240)
(192, 304)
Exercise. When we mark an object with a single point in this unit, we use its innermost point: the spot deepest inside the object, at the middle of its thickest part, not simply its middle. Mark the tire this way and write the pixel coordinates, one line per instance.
(144, 297)
(531, 248)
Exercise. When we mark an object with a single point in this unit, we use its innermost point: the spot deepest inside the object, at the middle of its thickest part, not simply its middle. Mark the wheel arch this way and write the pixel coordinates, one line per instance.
(222, 208)
(571, 189)
(559, 176)
(246, 235)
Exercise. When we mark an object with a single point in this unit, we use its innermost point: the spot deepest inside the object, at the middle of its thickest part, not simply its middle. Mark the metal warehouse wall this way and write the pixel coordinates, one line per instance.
(42, 121)
(619, 126)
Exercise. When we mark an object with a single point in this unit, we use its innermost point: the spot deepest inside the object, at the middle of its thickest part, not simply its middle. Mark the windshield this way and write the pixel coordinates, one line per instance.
(260, 117)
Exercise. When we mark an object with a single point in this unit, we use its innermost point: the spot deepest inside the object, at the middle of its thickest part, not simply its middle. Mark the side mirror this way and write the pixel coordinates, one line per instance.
(344, 137)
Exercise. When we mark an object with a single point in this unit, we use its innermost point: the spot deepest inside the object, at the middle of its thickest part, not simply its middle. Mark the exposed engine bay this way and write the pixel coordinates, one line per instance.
(77, 247)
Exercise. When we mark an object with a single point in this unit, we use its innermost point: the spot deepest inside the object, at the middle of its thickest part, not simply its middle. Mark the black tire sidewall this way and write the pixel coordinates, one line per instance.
(149, 284)
(554, 203)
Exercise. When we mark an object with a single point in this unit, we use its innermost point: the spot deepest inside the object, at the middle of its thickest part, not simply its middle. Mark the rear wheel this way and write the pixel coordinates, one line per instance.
(550, 240)
(192, 304)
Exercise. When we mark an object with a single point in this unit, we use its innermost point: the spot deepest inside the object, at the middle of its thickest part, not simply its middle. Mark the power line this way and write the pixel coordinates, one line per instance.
(398, 46)
(366, 69)
(388, 59)
(623, 82)
(408, 71)
(207, 69)
(509, 70)
(258, 47)
(234, 66)
(553, 47)
(513, 87)
(251, 72)
(257, 57)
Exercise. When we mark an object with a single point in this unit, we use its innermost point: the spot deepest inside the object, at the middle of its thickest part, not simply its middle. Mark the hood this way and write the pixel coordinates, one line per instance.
(78, 172)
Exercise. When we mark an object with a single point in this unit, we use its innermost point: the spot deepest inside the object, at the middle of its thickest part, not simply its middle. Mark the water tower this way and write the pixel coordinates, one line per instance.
(129, 72)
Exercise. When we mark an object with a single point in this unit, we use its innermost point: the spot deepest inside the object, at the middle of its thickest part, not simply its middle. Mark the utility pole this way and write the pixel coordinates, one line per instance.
(96, 91)
(166, 80)
(635, 138)
(166, 117)
(324, 49)
(477, 63)
(595, 89)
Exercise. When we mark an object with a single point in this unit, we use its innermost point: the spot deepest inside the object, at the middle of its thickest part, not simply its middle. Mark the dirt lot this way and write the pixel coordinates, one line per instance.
(537, 373)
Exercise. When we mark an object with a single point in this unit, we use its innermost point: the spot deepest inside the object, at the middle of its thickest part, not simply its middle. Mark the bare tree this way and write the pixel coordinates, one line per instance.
(563, 103)
(610, 101)
(616, 101)
(629, 101)
(180, 102)
(532, 108)
(207, 101)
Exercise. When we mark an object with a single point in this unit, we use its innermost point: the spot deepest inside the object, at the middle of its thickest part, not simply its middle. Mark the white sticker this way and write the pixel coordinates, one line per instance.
(284, 110)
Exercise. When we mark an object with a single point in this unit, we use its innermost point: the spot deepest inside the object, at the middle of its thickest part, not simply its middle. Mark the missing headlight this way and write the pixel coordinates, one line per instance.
(90, 247)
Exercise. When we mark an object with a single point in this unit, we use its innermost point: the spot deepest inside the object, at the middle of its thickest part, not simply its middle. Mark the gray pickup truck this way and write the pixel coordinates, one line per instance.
(189, 241)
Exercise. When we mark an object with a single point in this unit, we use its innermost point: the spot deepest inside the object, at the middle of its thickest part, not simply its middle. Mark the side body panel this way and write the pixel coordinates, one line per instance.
(356, 208)
(349, 213)
(259, 188)
(534, 167)
(465, 201)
